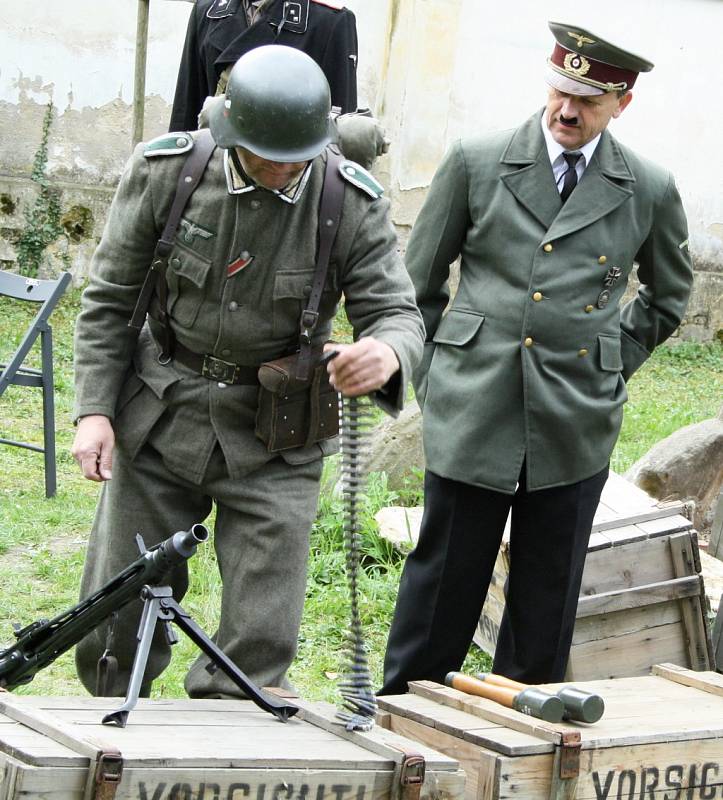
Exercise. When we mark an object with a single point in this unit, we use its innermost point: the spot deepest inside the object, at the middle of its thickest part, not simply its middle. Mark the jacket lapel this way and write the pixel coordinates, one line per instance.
(531, 180)
(244, 38)
(606, 183)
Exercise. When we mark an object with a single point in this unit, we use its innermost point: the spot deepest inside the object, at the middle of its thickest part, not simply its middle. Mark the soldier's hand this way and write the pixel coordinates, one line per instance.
(361, 367)
(93, 447)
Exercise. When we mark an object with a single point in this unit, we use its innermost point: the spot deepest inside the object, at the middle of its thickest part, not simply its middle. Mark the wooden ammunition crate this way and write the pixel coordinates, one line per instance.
(660, 738)
(642, 600)
(55, 748)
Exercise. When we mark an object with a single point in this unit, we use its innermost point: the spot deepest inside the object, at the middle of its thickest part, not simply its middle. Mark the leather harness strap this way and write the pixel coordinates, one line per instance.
(155, 282)
(332, 198)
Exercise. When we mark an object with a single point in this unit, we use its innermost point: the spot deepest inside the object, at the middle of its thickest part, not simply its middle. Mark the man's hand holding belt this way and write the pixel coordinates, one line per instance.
(362, 367)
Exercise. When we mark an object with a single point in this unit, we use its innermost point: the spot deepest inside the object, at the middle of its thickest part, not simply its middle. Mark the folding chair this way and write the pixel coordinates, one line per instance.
(48, 293)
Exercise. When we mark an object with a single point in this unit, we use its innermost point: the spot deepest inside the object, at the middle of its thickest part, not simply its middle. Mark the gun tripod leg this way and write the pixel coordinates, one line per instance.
(153, 597)
(197, 635)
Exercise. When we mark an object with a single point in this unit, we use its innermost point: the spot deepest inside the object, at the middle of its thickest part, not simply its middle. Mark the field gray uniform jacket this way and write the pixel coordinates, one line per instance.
(248, 318)
(530, 362)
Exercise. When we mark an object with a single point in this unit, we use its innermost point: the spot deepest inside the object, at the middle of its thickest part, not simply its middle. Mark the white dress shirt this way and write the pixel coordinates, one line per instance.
(555, 151)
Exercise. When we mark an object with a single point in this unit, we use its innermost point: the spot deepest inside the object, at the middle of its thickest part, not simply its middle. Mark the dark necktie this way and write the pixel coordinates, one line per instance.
(570, 181)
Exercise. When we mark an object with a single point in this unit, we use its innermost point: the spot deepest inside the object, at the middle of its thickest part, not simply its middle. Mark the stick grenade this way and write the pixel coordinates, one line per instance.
(531, 701)
(579, 705)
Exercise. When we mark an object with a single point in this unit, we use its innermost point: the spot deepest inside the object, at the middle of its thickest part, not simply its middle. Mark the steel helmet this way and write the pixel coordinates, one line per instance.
(277, 105)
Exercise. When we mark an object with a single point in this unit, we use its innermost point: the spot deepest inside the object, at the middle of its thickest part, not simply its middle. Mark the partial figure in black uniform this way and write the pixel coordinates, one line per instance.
(221, 31)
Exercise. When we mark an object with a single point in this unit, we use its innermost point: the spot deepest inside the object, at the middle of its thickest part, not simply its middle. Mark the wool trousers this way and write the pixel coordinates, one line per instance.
(446, 577)
(261, 538)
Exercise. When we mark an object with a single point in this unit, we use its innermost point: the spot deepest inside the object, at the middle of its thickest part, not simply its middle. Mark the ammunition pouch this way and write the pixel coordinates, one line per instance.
(293, 412)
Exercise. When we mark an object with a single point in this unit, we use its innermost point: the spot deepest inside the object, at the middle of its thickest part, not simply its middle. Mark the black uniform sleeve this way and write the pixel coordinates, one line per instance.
(340, 61)
(191, 81)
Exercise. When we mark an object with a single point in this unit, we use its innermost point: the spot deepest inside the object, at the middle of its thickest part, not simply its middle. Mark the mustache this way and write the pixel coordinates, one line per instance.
(567, 120)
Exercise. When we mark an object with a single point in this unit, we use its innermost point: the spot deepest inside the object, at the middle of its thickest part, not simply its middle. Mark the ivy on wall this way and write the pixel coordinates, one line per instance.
(42, 220)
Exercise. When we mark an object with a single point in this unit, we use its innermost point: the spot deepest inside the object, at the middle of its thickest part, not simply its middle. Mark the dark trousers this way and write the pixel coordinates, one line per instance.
(445, 580)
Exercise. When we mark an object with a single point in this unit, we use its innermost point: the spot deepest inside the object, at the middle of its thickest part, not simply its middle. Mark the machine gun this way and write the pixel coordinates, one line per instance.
(41, 642)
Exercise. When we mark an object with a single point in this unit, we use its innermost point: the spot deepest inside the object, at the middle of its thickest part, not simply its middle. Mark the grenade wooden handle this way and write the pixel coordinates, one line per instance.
(500, 680)
(530, 700)
(466, 683)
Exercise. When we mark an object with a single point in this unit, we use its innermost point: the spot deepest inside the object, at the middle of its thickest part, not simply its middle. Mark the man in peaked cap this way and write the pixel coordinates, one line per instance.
(167, 417)
(524, 377)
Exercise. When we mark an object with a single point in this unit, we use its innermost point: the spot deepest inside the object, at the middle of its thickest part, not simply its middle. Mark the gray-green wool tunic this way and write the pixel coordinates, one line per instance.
(246, 318)
(530, 362)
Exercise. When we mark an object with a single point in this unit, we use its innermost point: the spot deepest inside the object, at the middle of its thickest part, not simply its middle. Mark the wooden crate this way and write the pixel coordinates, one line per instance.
(660, 738)
(50, 747)
(642, 599)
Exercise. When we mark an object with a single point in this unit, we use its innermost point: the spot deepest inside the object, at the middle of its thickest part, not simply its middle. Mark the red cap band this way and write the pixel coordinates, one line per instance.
(588, 70)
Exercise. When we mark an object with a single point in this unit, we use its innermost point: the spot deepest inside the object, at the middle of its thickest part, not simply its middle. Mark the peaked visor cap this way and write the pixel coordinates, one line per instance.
(583, 63)
(277, 105)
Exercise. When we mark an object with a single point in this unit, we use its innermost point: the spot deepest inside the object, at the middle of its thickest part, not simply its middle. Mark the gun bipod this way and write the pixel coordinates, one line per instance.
(160, 606)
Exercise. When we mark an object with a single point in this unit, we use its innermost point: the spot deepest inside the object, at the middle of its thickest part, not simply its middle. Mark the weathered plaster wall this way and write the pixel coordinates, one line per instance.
(82, 61)
(432, 69)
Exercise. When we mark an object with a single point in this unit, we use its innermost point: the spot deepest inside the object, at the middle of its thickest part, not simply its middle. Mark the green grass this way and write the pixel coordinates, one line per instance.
(42, 541)
(680, 385)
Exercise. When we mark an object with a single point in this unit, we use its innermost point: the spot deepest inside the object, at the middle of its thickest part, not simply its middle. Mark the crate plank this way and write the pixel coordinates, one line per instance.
(664, 525)
(631, 563)
(705, 681)
(426, 712)
(21, 781)
(629, 654)
(636, 596)
(686, 559)
(142, 744)
(618, 624)
(379, 741)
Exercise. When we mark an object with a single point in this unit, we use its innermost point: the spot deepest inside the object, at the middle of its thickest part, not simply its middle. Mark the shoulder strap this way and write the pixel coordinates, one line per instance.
(332, 198)
(155, 282)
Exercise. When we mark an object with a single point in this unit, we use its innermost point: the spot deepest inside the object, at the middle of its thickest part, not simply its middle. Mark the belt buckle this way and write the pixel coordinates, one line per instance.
(215, 369)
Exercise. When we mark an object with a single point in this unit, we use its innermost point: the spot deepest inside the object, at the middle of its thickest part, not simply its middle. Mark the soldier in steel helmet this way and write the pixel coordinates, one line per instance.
(524, 378)
(171, 437)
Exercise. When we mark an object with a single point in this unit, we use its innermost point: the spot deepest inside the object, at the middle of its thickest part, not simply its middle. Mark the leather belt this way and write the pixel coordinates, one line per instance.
(215, 369)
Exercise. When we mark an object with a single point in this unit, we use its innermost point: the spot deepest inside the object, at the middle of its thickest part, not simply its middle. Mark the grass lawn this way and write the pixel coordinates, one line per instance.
(42, 541)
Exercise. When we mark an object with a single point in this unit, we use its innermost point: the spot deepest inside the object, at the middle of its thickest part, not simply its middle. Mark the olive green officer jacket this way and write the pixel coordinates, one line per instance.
(530, 362)
(246, 318)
